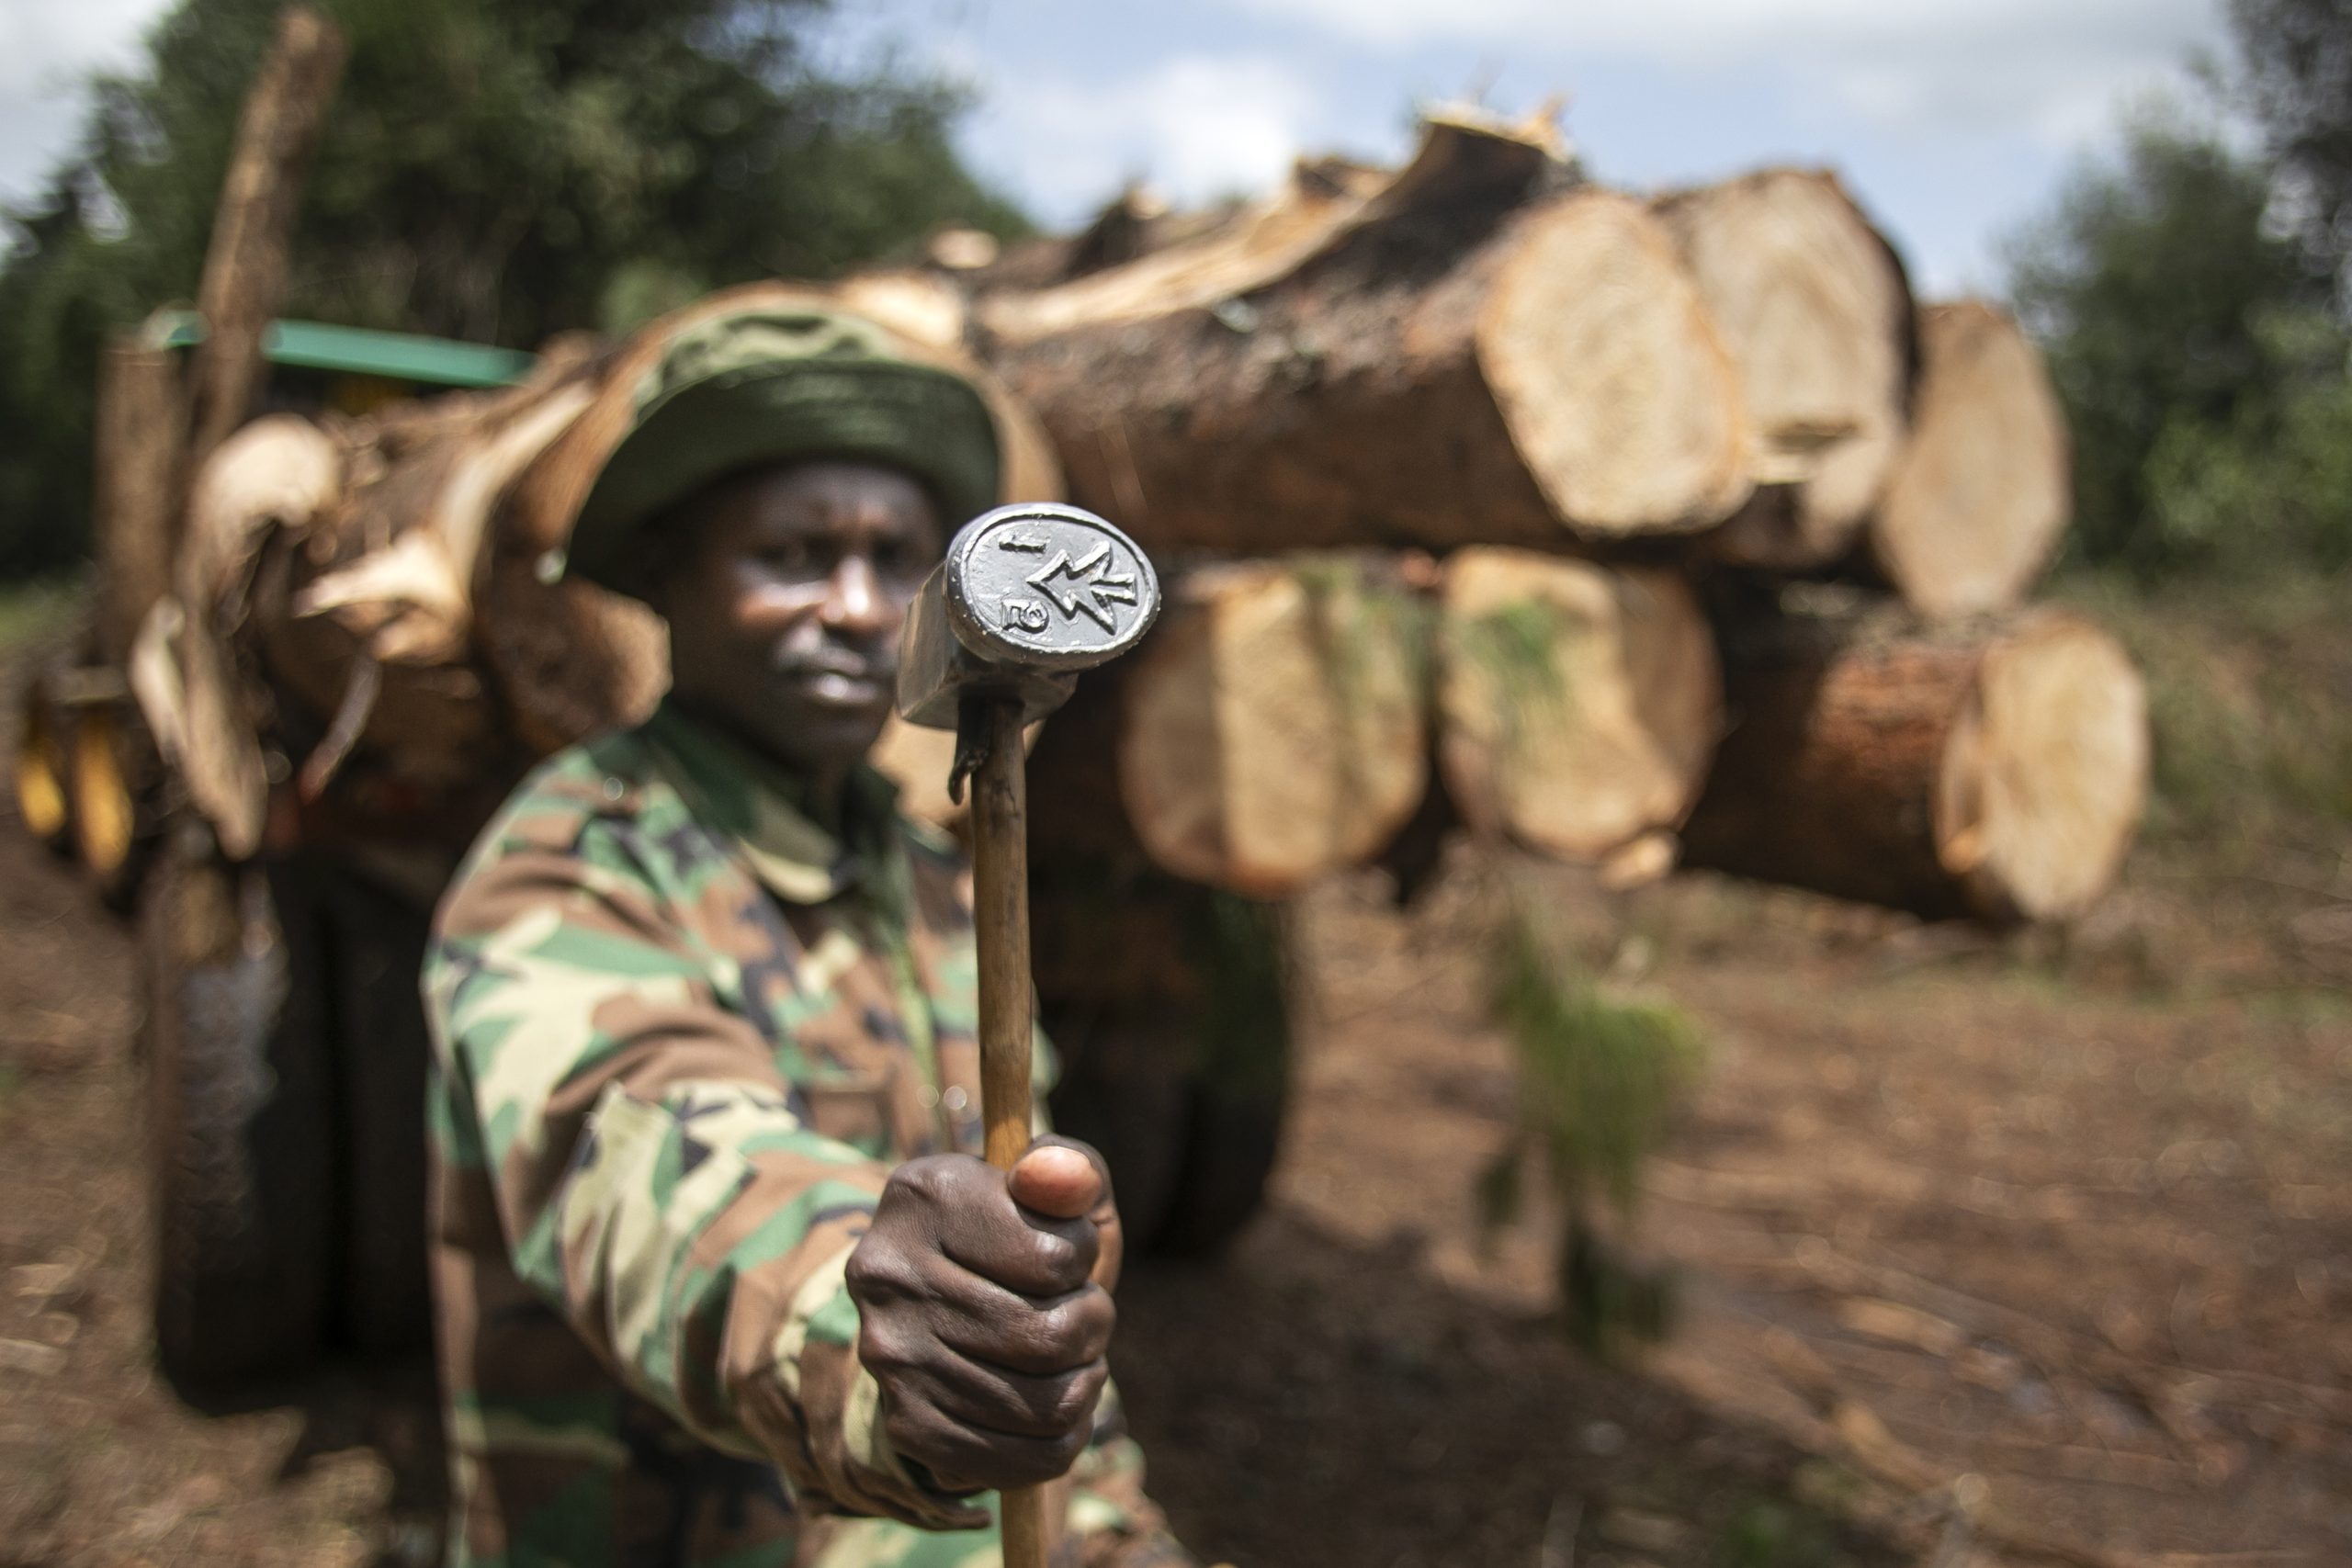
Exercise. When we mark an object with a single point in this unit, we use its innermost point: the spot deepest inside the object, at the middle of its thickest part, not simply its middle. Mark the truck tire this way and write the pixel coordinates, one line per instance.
(1231, 1140)
(1191, 1149)
(377, 939)
(240, 1153)
(1186, 1095)
(1126, 1089)
(1240, 1086)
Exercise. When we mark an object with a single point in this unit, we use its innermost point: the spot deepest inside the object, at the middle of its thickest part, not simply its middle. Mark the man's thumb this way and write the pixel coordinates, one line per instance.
(1057, 1181)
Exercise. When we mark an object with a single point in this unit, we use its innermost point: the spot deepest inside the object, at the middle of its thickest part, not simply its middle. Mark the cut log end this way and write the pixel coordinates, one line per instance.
(1815, 307)
(1617, 393)
(1980, 495)
(1273, 728)
(2046, 771)
(1580, 704)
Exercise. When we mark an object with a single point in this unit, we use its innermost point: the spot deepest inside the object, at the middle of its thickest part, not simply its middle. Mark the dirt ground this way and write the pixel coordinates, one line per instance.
(1988, 1253)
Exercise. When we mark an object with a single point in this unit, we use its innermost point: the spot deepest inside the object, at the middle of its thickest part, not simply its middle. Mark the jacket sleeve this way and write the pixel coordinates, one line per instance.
(651, 1179)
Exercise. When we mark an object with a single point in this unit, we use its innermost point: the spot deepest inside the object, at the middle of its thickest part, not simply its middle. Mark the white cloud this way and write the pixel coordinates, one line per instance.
(2049, 69)
(1194, 127)
(47, 46)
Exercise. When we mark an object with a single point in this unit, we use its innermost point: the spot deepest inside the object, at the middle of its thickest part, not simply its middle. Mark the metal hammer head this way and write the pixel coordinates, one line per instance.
(1028, 596)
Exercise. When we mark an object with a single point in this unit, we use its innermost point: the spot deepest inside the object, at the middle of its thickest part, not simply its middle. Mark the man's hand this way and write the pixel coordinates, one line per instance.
(985, 1312)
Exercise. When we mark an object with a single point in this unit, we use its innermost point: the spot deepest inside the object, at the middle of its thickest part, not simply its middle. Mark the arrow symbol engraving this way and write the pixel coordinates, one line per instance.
(1062, 579)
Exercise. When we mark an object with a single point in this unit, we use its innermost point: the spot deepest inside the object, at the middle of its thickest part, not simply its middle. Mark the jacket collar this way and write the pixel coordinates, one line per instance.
(762, 807)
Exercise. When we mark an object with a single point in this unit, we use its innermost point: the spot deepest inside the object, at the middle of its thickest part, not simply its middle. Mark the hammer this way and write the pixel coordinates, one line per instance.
(1028, 596)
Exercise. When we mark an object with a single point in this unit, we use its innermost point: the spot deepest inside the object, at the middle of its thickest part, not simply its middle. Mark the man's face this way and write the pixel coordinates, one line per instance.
(786, 606)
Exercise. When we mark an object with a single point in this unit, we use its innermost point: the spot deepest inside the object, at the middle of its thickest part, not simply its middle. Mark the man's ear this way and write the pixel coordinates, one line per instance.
(650, 571)
(657, 554)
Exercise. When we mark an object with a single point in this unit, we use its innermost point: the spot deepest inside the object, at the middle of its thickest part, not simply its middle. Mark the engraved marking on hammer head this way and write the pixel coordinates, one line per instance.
(1028, 596)
(1091, 597)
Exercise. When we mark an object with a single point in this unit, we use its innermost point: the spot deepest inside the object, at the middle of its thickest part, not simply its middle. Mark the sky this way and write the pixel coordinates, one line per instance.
(1954, 122)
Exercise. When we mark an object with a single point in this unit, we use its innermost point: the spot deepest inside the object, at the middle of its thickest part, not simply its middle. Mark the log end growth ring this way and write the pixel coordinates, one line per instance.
(1622, 400)
(1580, 704)
(2045, 773)
(1275, 729)
(1982, 492)
(1814, 309)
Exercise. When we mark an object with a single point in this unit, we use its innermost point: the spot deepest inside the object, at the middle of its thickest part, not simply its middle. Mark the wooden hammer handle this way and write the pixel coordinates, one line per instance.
(1000, 909)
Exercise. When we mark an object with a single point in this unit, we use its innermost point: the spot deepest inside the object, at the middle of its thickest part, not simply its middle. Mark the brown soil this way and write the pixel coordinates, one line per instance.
(1980, 1260)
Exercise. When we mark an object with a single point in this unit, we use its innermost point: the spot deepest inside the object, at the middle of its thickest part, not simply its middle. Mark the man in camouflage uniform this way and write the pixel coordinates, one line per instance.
(719, 1280)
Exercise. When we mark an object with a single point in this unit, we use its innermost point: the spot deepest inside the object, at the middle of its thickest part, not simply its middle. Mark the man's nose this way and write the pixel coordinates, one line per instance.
(855, 602)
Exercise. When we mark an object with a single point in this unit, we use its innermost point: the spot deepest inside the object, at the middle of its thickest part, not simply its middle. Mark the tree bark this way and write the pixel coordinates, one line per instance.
(1482, 351)
(1274, 726)
(245, 266)
(392, 579)
(1982, 490)
(1812, 303)
(1996, 769)
(136, 491)
(1578, 704)
(1138, 222)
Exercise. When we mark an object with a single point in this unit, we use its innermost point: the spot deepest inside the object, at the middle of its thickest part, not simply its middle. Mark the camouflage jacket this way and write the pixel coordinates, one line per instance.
(681, 1035)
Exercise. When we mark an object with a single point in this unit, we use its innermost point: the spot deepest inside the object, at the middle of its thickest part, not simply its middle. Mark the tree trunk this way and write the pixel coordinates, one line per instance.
(245, 266)
(1578, 704)
(1812, 303)
(1996, 770)
(1480, 351)
(136, 492)
(1274, 726)
(1980, 492)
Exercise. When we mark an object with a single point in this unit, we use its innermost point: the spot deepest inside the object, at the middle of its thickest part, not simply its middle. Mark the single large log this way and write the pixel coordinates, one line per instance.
(1996, 770)
(1578, 704)
(1274, 728)
(244, 264)
(1982, 490)
(1482, 351)
(1812, 303)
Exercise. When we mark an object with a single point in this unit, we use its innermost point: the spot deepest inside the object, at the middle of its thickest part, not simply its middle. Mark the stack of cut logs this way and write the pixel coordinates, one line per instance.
(1637, 532)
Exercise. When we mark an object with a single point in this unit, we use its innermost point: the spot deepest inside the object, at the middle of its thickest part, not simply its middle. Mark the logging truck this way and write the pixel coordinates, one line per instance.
(281, 1042)
(269, 758)
(323, 645)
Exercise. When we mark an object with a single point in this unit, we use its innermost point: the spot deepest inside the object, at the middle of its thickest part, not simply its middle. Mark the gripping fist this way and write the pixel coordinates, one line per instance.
(985, 1311)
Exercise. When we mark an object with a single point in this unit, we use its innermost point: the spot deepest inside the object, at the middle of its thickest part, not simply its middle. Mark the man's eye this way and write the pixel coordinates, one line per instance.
(789, 555)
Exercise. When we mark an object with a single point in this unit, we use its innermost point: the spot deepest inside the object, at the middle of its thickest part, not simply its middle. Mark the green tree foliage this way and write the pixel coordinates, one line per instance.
(2271, 486)
(2295, 79)
(2170, 313)
(497, 170)
(2193, 300)
(1600, 1081)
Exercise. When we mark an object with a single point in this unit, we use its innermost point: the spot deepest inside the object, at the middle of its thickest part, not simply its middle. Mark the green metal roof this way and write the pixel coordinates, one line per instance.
(314, 345)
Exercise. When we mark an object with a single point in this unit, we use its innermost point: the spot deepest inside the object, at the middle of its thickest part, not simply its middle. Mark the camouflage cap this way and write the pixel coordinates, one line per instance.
(771, 383)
